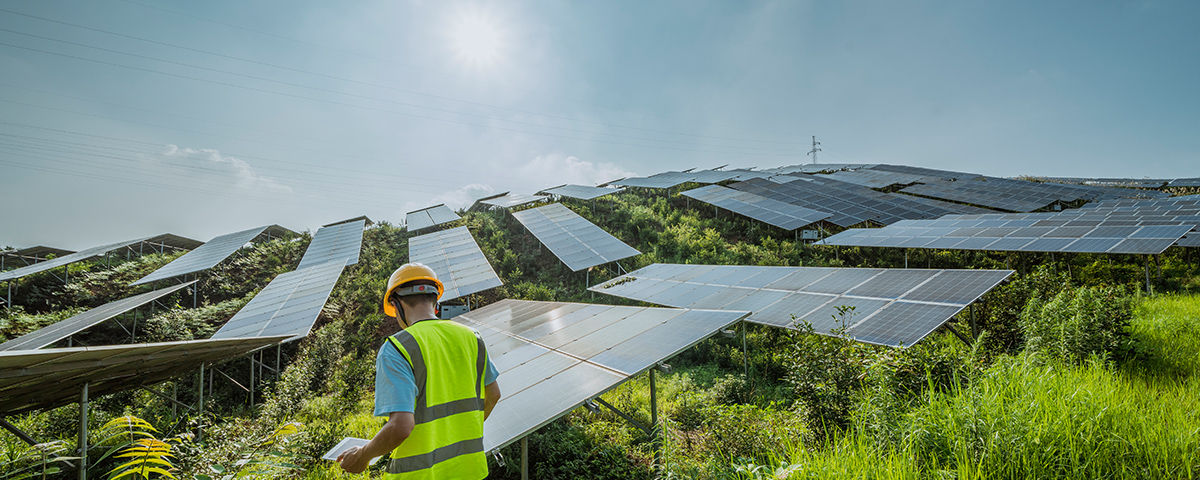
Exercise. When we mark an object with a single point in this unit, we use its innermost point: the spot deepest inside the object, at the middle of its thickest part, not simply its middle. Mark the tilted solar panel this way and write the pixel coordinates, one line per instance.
(577, 242)
(554, 356)
(205, 256)
(456, 258)
(895, 307)
(429, 217)
(763, 209)
(289, 305)
(44, 379)
(78, 323)
(581, 192)
(339, 243)
(66, 259)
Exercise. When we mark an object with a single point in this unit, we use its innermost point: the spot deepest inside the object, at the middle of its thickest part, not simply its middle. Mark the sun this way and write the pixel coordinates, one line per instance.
(478, 38)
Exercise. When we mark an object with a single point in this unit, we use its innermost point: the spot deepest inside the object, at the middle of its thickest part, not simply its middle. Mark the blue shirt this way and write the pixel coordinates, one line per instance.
(395, 385)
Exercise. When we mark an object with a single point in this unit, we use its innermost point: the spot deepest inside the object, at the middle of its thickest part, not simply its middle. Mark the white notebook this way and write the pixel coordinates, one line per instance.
(344, 445)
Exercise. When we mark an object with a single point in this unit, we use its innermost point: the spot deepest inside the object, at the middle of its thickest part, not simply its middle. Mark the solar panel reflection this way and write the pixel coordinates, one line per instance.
(577, 242)
(789, 296)
(457, 260)
(555, 356)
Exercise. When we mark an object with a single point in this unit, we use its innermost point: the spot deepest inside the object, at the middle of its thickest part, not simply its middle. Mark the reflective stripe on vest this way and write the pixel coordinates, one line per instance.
(447, 438)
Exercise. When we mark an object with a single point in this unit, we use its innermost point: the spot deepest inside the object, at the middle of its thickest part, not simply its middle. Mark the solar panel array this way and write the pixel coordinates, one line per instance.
(1020, 195)
(660, 181)
(575, 241)
(457, 260)
(78, 323)
(848, 204)
(554, 356)
(894, 307)
(339, 243)
(44, 379)
(1112, 226)
(581, 192)
(875, 178)
(772, 212)
(65, 260)
(429, 217)
(925, 172)
(289, 305)
(203, 257)
(1185, 182)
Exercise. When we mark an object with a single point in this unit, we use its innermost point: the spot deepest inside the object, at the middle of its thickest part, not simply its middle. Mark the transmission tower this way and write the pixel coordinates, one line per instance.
(814, 151)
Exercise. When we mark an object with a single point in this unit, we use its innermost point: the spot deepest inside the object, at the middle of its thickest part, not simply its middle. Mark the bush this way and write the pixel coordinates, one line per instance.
(826, 374)
(1078, 323)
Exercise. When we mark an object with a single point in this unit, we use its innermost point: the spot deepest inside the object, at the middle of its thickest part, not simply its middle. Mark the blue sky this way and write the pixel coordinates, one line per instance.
(128, 118)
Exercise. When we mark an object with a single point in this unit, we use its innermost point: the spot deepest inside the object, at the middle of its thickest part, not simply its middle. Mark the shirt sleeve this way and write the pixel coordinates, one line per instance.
(492, 373)
(395, 386)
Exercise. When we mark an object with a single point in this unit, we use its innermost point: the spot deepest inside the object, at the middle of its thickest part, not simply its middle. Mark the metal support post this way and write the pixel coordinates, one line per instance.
(252, 379)
(657, 436)
(906, 258)
(525, 458)
(745, 356)
(625, 416)
(278, 358)
(83, 432)
(959, 335)
(974, 325)
(200, 404)
(1148, 289)
(174, 403)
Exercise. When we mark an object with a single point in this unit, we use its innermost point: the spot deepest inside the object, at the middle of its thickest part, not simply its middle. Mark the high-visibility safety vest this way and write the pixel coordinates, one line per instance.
(447, 440)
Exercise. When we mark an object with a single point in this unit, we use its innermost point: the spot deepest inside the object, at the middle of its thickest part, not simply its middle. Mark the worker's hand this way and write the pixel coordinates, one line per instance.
(352, 460)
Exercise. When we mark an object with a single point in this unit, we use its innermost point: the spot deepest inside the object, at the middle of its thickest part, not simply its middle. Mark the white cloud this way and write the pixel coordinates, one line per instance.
(462, 197)
(210, 163)
(557, 169)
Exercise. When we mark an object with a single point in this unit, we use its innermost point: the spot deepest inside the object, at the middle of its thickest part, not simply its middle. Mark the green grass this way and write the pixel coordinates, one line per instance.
(1030, 418)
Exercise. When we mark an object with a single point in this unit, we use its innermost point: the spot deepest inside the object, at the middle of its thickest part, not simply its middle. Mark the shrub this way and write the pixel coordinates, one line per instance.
(1079, 322)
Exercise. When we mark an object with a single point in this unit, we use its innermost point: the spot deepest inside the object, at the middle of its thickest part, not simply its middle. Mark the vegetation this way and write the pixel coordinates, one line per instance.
(1077, 372)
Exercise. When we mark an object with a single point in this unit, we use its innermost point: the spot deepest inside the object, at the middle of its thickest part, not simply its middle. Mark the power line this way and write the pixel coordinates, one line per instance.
(334, 77)
(416, 67)
(273, 92)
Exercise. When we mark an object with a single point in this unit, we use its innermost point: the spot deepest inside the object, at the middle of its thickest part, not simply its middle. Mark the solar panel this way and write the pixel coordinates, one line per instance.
(1185, 182)
(457, 260)
(44, 379)
(581, 192)
(340, 243)
(553, 356)
(203, 257)
(775, 294)
(766, 210)
(289, 305)
(429, 217)
(65, 260)
(1020, 195)
(658, 181)
(65, 328)
(1051, 232)
(506, 200)
(577, 242)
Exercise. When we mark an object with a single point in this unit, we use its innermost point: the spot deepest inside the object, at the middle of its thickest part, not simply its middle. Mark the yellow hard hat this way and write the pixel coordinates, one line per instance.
(410, 272)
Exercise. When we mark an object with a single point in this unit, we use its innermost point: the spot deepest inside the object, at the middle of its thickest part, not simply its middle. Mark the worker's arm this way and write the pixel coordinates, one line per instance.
(397, 429)
(491, 395)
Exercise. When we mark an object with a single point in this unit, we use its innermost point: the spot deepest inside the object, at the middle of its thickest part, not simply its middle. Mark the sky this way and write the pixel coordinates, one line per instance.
(121, 119)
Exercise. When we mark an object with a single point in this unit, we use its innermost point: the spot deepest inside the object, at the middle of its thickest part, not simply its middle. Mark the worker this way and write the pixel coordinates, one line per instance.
(434, 382)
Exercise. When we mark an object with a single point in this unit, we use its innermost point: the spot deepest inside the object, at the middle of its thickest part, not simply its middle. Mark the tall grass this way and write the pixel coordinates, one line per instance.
(1027, 417)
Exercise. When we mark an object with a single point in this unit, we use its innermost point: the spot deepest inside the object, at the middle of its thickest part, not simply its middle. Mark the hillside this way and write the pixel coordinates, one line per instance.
(1077, 374)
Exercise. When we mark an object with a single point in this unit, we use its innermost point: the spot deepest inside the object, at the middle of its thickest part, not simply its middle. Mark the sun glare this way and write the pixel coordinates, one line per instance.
(478, 38)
